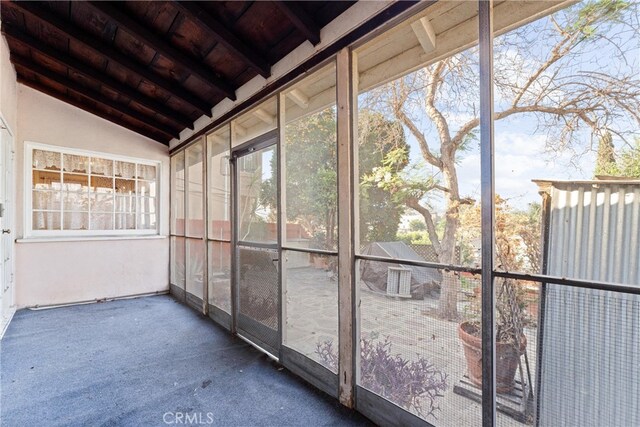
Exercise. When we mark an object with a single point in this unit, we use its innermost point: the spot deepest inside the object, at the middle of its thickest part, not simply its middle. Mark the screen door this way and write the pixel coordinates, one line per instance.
(257, 279)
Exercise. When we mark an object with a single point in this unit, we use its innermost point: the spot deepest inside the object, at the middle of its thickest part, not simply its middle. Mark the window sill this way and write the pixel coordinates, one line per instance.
(87, 238)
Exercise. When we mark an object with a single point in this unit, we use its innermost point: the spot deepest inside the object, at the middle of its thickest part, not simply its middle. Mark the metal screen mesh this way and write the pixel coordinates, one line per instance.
(411, 355)
(590, 358)
(178, 261)
(311, 290)
(219, 272)
(195, 267)
(258, 294)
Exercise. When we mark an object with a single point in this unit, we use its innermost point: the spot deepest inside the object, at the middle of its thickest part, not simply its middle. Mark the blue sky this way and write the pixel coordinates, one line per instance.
(520, 147)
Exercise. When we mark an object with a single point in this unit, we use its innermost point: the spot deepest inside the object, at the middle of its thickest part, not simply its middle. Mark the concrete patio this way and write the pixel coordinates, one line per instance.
(147, 361)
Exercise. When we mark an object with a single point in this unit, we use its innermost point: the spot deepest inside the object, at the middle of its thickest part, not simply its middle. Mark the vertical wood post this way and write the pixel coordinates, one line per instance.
(282, 215)
(205, 229)
(485, 20)
(345, 227)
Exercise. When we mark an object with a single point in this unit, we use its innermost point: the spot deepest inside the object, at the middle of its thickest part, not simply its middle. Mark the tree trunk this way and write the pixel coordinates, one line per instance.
(448, 303)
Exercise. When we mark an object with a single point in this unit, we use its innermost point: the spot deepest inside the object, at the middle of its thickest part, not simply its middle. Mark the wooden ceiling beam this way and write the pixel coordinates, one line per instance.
(13, 33)
(301, 20)
(92, 110)
(104, 49)
(218, 31)
(154, 41)
(91, 94)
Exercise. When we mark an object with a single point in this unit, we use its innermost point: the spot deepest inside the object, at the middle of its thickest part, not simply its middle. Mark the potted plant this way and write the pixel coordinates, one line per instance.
(511, 342)
(511, 303)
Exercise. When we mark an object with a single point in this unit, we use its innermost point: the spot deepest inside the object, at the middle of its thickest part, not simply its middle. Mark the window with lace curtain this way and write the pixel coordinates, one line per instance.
(83, 193)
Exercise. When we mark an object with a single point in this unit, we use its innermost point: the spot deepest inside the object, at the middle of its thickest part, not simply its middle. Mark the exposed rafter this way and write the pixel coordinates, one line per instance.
(155, 42)
(91, 94)
(217, 31)
(171, 87)
(83, 106)
(297, 96)
(155, 68)
(14, 34)
(301, 19)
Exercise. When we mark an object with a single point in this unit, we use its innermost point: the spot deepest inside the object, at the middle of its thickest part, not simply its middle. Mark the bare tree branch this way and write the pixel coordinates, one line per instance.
(414, 204)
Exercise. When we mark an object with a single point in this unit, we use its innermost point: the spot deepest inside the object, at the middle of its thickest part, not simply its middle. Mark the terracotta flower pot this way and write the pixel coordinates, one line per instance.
(506, 358)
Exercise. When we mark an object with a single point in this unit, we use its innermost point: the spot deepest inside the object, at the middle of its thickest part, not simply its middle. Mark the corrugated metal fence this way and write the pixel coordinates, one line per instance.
(590, 361)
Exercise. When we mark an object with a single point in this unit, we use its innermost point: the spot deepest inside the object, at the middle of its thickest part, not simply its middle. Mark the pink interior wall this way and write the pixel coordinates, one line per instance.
(58, 272)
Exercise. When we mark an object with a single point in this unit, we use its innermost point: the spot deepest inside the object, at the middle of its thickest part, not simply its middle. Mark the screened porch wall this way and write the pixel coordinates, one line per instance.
(404, 325)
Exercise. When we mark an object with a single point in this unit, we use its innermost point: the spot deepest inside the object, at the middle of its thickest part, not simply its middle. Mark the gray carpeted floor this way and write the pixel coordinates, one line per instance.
(147, 361)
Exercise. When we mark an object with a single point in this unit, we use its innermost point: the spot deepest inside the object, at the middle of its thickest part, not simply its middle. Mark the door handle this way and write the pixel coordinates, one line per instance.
(6, 231)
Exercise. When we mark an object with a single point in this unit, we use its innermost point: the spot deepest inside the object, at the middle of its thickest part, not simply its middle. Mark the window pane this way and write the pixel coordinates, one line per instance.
(102, 221)
(220, 275)
(75, 220)
(102, 203)
(100, 184)
(147, 188)
(147, 221)
(256, 122)
(311, 283)
(147, 172)
(257, 205)
(125, 204)
(47, 180)
(195, 223)
(101, 166)
(46, 200)
(46, 220)
(195, 267)
(75, 183)
(177, 194)
(177, 261)
(310, 173)
(125, 221)
(147, 205)
(125, 186)
(49, 160)
(74, 163)
(75, 201)
(125, 169)
(219, 172)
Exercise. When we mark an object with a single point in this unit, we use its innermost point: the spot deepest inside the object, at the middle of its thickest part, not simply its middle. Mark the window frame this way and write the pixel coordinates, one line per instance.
(29, 232)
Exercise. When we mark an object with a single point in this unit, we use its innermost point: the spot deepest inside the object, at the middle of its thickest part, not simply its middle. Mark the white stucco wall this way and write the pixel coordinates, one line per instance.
(58, 272)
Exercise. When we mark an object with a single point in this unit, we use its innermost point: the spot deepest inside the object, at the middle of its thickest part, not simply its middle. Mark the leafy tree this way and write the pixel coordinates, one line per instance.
(627, 165)
(417, 225)
(378, 139)
(606, 160)
(311, 177)
(630, 161)
(548, 71)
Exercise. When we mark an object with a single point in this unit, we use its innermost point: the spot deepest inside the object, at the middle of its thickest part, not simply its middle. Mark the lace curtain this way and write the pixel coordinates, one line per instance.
(76, 164)
(125, 169)
(46, 160)
(108, 198)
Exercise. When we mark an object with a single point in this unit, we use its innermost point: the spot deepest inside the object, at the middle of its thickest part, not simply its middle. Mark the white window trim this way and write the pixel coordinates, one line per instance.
(29, 233)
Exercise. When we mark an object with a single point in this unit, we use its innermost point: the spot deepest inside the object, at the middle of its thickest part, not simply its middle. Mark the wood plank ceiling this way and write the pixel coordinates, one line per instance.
(155, 67)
